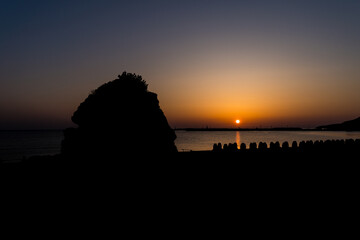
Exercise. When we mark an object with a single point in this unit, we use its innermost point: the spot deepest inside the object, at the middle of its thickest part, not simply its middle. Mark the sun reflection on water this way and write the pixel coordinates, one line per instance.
(238, 139)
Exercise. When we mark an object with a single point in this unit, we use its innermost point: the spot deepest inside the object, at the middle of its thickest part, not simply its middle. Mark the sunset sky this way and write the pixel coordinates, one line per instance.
(267, 63)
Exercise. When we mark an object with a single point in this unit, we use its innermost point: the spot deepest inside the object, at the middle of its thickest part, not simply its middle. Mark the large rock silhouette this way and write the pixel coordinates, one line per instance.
(118, 118)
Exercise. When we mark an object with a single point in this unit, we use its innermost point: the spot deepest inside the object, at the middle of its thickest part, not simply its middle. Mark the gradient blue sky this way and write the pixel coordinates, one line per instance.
(268, 63)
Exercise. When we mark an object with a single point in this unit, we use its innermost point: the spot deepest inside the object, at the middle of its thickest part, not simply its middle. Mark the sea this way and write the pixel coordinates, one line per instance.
(16, 145)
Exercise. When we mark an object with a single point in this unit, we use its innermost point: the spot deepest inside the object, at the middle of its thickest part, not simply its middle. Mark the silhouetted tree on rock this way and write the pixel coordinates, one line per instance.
(118, 118)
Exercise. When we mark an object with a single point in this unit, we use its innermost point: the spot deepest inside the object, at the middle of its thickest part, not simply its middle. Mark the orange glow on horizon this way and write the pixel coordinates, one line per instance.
(273, 97)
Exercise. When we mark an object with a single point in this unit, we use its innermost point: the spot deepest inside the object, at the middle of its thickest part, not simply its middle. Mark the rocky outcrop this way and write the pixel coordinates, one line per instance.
(118, 118)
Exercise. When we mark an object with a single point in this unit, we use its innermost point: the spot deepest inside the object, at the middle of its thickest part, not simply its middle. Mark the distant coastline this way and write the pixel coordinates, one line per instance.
(347, 126)
(267, 129)
(245, 129)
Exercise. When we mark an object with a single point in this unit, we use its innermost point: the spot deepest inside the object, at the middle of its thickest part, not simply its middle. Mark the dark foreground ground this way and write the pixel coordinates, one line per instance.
(280, 191)
(303, 189)
(206, 164)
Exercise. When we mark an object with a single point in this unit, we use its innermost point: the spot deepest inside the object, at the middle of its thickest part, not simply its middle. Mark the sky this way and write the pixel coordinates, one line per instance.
(267, 63)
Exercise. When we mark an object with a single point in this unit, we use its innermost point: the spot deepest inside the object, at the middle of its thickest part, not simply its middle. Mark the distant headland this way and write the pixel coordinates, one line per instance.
(352, 125)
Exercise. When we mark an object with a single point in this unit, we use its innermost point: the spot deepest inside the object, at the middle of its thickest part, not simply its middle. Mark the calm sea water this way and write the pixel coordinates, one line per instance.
(18, 144)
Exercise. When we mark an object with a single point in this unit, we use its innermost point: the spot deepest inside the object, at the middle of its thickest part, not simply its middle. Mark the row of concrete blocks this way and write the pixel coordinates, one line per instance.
(304, 145)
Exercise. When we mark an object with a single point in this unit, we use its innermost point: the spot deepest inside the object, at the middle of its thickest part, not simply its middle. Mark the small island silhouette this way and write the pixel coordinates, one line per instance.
(118, 118)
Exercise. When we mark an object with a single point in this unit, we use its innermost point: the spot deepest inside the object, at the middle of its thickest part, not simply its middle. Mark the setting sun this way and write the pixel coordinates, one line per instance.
(237, 121)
